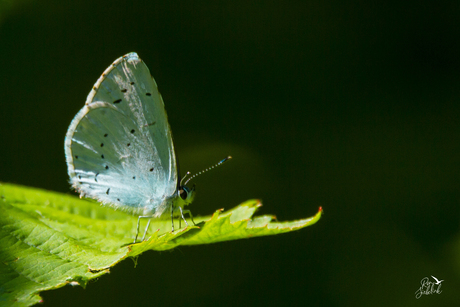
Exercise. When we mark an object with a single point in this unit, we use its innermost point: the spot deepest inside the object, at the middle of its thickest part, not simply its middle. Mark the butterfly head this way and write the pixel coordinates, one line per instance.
(186, 194)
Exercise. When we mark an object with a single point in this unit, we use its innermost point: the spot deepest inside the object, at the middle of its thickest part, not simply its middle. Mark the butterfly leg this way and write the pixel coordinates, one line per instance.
(146, 228)
(183, 217)
(172, 218)
(191, 216)
(138, 224)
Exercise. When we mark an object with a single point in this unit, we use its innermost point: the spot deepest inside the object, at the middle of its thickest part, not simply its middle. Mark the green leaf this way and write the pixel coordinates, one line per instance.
(48, 240)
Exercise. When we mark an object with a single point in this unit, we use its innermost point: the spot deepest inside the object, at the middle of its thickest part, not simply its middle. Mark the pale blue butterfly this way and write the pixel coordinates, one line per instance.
(119, 148)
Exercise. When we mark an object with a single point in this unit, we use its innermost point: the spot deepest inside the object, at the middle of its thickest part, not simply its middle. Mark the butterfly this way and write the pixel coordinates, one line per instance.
(119, 148)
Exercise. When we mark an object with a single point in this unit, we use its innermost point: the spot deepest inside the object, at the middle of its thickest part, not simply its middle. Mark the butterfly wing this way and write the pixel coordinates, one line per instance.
(119, 147)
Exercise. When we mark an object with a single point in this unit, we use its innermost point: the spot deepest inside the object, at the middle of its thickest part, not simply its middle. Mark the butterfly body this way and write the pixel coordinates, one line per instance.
(119, 148)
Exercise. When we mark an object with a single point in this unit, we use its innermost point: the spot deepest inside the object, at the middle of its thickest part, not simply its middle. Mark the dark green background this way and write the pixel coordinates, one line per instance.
(350, 106)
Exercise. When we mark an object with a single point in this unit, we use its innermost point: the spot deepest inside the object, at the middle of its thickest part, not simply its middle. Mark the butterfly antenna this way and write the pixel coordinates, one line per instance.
(208, 169)
(185, 176)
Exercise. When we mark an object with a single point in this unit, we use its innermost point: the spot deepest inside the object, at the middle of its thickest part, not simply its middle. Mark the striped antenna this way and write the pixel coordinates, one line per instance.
(205, 170)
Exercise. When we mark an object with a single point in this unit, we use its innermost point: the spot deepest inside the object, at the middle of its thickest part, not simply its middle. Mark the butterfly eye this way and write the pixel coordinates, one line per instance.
(183, 194)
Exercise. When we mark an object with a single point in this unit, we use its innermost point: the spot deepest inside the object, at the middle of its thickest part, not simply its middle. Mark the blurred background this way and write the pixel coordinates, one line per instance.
(350, 106)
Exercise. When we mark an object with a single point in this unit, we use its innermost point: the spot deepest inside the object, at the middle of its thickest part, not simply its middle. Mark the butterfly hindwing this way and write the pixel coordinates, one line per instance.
(119, 147)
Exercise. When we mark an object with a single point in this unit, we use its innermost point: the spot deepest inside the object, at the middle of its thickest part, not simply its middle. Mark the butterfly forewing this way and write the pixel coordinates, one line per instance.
(119, 147)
